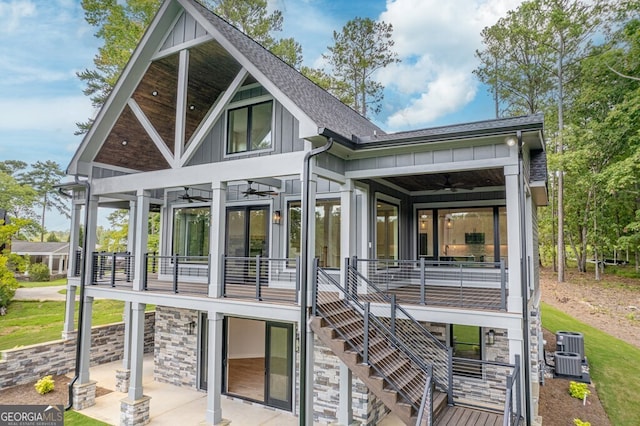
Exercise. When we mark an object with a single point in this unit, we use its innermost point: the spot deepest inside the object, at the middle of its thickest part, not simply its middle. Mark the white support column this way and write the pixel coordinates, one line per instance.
(345, 410)
(91, 238)
(69, 312)
(126, 317)
(215, 371)
(74, 235)
(311, 241)
(140, 244)
(514, 302)
(347, 250)
(131, 235)
(137, 351)
(217, 237)
(50, 263)
(85, 346)
(60, 263)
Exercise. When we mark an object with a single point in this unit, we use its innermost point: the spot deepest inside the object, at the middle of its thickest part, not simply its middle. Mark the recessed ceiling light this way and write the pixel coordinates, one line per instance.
(154, 93)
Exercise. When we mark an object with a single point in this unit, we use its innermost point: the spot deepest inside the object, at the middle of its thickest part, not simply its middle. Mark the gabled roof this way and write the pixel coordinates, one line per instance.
(32, 248)
(323, 108)
(311, 104)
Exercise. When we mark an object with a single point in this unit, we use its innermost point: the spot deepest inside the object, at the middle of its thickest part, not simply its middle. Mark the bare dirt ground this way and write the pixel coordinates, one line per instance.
(27, 395)
(611, 305)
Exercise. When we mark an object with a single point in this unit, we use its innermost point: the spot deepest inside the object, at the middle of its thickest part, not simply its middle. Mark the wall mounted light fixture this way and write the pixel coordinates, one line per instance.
(191, 327)
(491, 337)
(511, 140)
(277, 217)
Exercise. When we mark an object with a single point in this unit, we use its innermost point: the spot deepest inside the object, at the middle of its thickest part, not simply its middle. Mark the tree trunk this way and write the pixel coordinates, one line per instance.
(559, 149)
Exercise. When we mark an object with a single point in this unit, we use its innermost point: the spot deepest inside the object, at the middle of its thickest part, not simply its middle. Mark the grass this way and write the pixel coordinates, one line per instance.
(31, 322)
(73, 418)
(614, 366)
(29, 284)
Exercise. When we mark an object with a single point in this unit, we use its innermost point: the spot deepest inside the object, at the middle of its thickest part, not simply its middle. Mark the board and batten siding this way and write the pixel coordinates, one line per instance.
(284, 136)
(186, 29)
(439, 156)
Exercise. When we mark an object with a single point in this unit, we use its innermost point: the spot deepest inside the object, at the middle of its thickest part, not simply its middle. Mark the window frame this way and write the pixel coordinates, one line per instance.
(249, 103)
(383, 198)
(172, 235)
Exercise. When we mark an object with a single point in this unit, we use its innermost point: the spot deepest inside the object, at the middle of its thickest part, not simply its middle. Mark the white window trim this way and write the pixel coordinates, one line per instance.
(379, 196)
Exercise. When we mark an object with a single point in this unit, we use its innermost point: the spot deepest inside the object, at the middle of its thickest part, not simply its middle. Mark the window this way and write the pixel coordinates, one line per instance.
(327, 247)
(466, 341)
(386, 230)
(191, 231)
(249, 128)
(425, 233)
(469, 234)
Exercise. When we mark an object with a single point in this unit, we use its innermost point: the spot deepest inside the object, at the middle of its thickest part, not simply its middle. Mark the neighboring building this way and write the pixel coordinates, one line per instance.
(213, 131)
(54, 255)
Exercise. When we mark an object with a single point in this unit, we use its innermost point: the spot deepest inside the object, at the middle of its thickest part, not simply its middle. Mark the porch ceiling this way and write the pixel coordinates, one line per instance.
(458, 180)
(211, 71)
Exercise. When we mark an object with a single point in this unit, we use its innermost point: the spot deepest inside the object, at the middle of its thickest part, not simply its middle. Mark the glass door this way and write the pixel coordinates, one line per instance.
(279, 355)
(247, 237)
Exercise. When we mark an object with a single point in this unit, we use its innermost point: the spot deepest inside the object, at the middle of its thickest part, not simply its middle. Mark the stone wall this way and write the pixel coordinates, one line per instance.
(30, 363)
(326, 391)
(176, 351)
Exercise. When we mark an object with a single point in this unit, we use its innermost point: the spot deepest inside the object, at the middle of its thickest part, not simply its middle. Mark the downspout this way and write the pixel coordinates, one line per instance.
(524, 284)
(304, 267)
(82, 284)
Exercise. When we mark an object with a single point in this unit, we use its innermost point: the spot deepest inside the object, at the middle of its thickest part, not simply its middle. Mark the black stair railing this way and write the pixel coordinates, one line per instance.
(406, 328)
(328, 291)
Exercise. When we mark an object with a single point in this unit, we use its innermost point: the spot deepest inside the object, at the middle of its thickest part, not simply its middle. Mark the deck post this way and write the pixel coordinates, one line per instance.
(393, 315)
(450, 375)
(503, 286)
(113, 269)
(175, 273)
(365, 344)
(423, 282)
(258, 278)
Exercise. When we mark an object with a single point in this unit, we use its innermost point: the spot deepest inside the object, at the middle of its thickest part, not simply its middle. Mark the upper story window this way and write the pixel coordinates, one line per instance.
(249, 127)
(191, 231)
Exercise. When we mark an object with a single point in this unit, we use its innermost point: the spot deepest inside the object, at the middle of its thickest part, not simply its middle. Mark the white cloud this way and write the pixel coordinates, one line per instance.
(443, 95)
(436, 41)
(12, 14)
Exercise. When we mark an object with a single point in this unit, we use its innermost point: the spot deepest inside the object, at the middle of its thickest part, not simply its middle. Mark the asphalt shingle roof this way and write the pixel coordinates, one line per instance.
(323, 108)
(18, 246)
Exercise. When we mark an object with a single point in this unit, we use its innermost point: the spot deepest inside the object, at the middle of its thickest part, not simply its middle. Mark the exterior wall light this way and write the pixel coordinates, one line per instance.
(191, 327)
(511, 140)
(277, 217)
(491, 337)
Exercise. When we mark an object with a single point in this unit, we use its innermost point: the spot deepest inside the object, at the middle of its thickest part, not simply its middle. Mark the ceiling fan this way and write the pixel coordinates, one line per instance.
(252, 191)
(191, 198)
(447, 185)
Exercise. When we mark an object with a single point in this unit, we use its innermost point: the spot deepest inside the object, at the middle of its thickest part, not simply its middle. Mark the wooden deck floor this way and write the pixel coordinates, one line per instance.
(461, 416)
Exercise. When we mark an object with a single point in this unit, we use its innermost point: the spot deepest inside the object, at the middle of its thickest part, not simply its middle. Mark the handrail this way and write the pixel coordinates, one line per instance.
(509, 417)
(427, 396)
(432, 340)
(371, 321)
(112, 268)
(261, 278)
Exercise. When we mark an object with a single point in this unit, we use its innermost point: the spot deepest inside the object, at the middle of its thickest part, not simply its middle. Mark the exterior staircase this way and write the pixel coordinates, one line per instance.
(388, 372)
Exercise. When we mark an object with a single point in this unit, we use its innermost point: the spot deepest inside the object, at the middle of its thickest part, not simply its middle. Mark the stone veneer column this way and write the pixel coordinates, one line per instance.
(134, 413)
(84, 395)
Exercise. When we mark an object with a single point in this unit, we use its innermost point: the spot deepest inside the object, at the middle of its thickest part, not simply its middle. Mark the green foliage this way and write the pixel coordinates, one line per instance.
(362, 47)
(73, 418)
(45, 385)
(578, 390)
(614, 366)
(578, 422)
(8, 283)
(39, 272)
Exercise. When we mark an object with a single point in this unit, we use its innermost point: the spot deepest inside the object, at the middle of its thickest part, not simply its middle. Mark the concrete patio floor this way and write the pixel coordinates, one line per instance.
(171, 405)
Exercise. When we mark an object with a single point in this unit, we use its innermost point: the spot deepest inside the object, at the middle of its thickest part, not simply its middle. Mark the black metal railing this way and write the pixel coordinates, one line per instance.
(327, 291)
(406, 327)
(480, 285)
(114, 269)
(426, 404)
(77, 263)
(261, 278)
(513, 405)
(177, 274)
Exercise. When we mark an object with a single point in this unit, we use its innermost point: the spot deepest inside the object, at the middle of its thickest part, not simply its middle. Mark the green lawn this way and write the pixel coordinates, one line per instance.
(73, 418)
(29, 284)
(30, 322)
(614, 366)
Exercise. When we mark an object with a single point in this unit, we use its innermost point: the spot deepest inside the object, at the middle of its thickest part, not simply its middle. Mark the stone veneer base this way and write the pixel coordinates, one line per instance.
(122, 380)
(133, 413)
(84, 395)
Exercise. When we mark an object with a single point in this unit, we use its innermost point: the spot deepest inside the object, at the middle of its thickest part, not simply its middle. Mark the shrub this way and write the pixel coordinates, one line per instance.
(8, 285)
(578, 422)
(45, 385)
(39, 272)
(578, 390)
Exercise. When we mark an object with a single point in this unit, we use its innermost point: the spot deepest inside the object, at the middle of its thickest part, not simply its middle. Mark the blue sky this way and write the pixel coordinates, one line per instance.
(43, 43)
